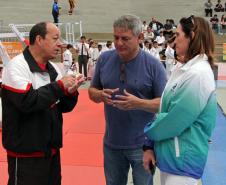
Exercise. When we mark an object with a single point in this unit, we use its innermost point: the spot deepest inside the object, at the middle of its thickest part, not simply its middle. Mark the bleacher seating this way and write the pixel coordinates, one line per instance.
(219, 40)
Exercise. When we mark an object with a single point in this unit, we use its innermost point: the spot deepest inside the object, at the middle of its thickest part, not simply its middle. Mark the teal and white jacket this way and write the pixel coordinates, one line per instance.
(186, 119)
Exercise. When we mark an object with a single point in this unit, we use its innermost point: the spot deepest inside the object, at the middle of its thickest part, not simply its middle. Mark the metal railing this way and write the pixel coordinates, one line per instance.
(71, 32)
(14, 35)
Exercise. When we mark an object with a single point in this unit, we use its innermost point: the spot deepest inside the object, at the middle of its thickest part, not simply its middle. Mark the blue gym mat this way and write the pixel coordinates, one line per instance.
(215, 171)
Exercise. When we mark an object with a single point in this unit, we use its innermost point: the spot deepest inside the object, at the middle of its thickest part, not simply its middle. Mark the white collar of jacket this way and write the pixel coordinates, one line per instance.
(34, 66)
(190, 63)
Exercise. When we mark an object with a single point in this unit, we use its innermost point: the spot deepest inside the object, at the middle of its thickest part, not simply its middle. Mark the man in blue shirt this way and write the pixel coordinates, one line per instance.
(55, 11)
(130, 82)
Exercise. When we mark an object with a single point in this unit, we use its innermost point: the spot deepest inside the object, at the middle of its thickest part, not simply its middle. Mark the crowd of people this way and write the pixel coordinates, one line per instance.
(87, 52)
(218, 24)
(209, 7)
(155, 39)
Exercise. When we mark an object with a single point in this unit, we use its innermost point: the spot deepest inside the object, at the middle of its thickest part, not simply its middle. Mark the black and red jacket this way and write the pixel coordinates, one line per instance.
(32, 105)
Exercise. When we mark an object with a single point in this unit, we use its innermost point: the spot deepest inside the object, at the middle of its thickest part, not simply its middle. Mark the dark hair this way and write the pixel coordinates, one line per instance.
(171, 21)
(150, 45)
(83, 37)
(69, 46)
(109, 43)
(202, 41)
(172, 38)
(146, 42)
(222, 17)
(141, 45)
(38, 29)
(91, 43)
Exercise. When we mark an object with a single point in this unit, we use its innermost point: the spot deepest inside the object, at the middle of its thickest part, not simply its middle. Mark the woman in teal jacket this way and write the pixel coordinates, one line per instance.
(188, 108)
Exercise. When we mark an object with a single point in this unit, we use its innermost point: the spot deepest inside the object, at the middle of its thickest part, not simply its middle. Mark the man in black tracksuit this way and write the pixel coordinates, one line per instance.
(34, 96)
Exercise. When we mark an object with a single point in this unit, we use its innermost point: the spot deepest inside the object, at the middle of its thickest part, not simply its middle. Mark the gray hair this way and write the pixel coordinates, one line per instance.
(129, 22)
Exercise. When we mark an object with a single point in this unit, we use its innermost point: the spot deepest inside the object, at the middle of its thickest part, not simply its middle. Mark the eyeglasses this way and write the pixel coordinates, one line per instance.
(122, 72)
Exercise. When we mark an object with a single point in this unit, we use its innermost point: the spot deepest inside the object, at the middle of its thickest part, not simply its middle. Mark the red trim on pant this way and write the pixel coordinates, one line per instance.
(33, 154)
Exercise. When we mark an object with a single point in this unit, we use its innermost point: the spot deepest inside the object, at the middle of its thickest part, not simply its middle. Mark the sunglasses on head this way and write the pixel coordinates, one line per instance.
(191, 19)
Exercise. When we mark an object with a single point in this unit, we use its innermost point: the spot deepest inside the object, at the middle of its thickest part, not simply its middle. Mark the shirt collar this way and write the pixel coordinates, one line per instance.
(34, 67)
(193, 61)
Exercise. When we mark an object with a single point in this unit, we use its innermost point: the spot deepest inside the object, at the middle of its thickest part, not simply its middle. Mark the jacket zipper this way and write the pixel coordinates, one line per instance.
(177, 148)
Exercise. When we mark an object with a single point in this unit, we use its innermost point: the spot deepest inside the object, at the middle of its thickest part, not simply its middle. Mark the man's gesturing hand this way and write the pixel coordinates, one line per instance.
(126, 101)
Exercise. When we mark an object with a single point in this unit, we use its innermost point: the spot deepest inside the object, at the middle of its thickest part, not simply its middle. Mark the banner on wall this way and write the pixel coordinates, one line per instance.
(13, 48)
(4, 57)
(224, 51)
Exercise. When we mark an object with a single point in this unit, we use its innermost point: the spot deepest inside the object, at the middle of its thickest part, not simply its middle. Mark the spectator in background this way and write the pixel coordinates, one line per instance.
(219, 7)
(72, 6)
(170, 56)
(149, 35)
(99, 49)
(129, 82)
(156, 26)
(154, 51)
(208, 8)
(215, 23)
(188, 107)
(34, 97)
(94, 53)
(67, 58)
(173, 23)
(74, 67)
(223, 24)
(55, 12)
(146, 46)
(82, 49)
(167, 29)
(160, 40)
(109, 45)
(144, 27)
(90, 41)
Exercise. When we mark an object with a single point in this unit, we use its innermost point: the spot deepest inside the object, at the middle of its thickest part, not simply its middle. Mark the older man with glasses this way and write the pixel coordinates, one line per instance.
(129, 82)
